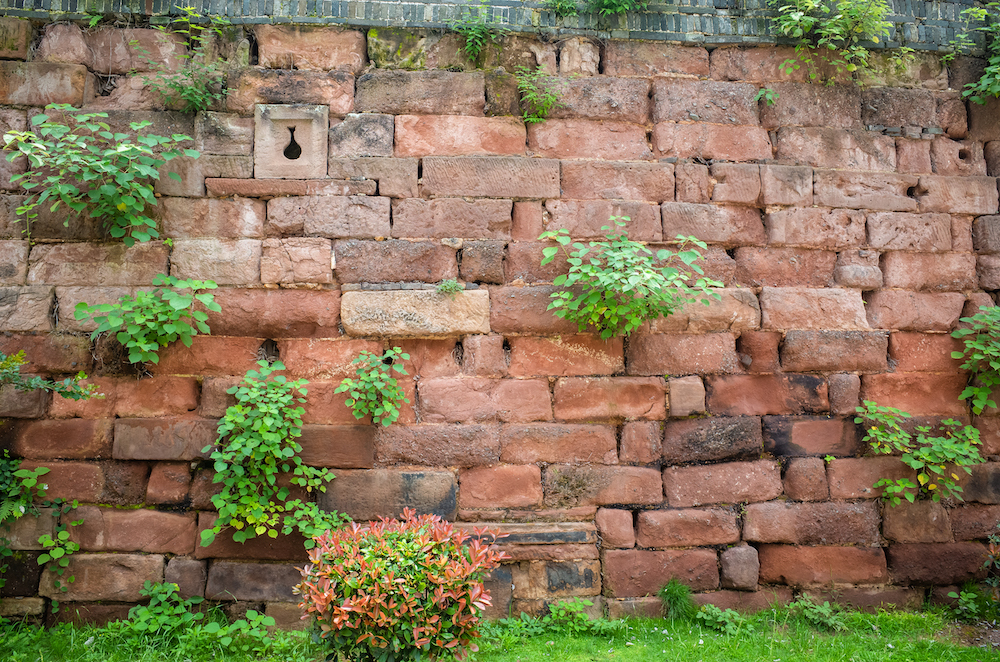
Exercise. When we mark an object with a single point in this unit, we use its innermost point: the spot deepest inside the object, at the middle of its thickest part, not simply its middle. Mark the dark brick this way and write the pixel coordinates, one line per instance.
(739, 395)
(252, 581)
(810, 435)
(937, 563)
(709, 439)
(368, 495)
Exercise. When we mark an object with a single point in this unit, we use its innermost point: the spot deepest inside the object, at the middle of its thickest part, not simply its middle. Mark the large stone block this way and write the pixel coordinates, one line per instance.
(687, 100)
(801, 308)
(610, 398)
(920, 521)
(712, 439)
(784, 267)
(957, 195)
(588, 139)
(833, 523)
(273, 313)
(112, 577)
(15, 37)
(853, 478)
(834, 351)
(415, 313)
(836, 148)
(628, 180)
(69, 439)
(230, 580)
(602, 98)
(457, 135)
(810, 435)
(711, 141)
(938, 272)
(310, 48)
(682, 354)
(865, 190)
(565, 356)
(452, 217)
(804, 104)
(894, 231)
(917, 393)
(226, 261)
(110, 530)
(357, 216)
(421, 93)
(393, 260)
(97, 264)
(936, 563)
(501, 487)
(753, 395)
(396, 178)
(647, 58)
(735, 310)
(690, 527)
(601, 485)
(492, 177)
(588, 218)
(468, 399)
(732, 482)
(713, 223)
(815, 227)
(185, 218)
(914, 311)
(278, 152)
(554, 443)
(822, 566)
(368, 495)
(296, 260)
(634, 573)
(41, 83)
(249, 87)
(163, 439)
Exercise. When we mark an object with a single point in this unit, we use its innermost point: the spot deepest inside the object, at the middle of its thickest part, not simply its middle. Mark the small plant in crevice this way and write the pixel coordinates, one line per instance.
(539, 93)
(936, 459)
(449, 288)
(200, 82)
(988, 19)
(18, 490)
(59, 548)
(562, 8)
(376, 392)
(614, 7)
(477, 30)
(824, 616)
(152, 320)
(767, 95)
(71, 388)
(677, 603)
(834, 33)
(728, 622)
(256, 448)
(399, 589)
(981, 355)
(81, 165)
(616, 285)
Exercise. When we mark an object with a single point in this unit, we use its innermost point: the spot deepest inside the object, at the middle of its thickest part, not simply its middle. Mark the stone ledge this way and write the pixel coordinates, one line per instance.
(415, 313)
(224, 187)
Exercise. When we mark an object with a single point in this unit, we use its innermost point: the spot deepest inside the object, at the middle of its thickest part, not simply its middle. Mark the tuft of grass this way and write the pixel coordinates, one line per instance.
(677, 602)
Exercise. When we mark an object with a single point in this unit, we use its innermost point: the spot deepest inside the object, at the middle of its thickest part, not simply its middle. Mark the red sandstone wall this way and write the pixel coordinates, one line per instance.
(692, 449)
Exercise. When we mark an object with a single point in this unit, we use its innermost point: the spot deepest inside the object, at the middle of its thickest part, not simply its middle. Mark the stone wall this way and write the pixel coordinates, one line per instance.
(851, 227)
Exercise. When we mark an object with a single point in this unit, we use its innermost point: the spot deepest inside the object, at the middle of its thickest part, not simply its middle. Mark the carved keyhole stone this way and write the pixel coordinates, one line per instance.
(293, 150)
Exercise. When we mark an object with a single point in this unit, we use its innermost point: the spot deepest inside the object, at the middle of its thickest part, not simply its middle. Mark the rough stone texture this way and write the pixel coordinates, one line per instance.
(711, 141)
(786, 185)
(687, 396)
(809, 435)
(706, 440)
(393, 260)
(588, 139)
(625, 180)
(641, 442)
(909, 232)
(634, 573)
(784, 267)
(187, 218)
(546, 442)
(732, 482)
(864, 190)
(226, 261)
(936, 563)
(40, 83)
(686, 528)
(827, 351)
(917, 393)
(836, 148)
(682, 354)
(929, 271)
(815, 227)
(586, 218)
(107, 530)
(456, 135)
(830, 523)
(162, 439)
(913, 311)
(303, 47)
(805, 479)
(415, 313)
(609, 398)
(648, 58)
(752, 395)
(96, 264)
(228, 580)
(740, 568)
(684, 100)
(921, 521)
(800, 308)
(368, 495)
(711, 223)
(482, 219)
(421, 93)
(616, 528)
(853, 478)
(249, 87)
(470, 399)
(822, 566)
(800, 104)
(492, 177)
(957, 195)
(504, 486)
(117, 578)
(296, 260)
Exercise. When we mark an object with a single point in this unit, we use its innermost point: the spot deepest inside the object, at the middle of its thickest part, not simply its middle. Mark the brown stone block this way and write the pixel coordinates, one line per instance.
(503, 486)
(112, 577)
(225, 219)
(914, 156)
(91, 264)
(585, 219)
(974, 522)
(523, 263)
(849, 149)
(930, 271)
(872, 600)
(572, 485)
(694, 185)
(69, 439)
(784, 267)
(484, 356)
(109, 530)
(917, 393)
(828, 351)
(249, 87)
(936, 563)
(457, 135)
(753, 395)
(163, 439)
(525, 310)
(833, 523)
(711, 439)
(421, 93)
(686, 528)
(556, 443)
(898, 108)
(805, 479)
(744, 601)
(686, 100)
(676, 354)
(865, 190)
(616, 528)
(924, 352)
(810, 435)
(634, 573)
(341, 446)
(621, 180)
(13, 261)
(22, 404)
(479, 219)
(641, 442)
(737, 183)
(603, 98)
(957, 195)
(808, 104)
(322, 358)
(395, 178)
(713, 223)
(913, 311)
(40, 83)
(647, 58)
(482, 262)
(15, 37)
(954, 158)
(393, 260)
(438, 445)
(168, 483)
(759, 64)
(478, 399)
(785, 308)
(368, 495)
(711, 141)
(494, 177)
(228, 580)
(984, 483)
(283, 548)
(732, 482)
(545, 580)
(815, 227)
(274, 313)
(853, 478)
(587, 139)
(786, 185)
(822, 566)
(758, 351)
(917, 522)
(916, 232)
(311, 48)
(226, 261)
(610, 398)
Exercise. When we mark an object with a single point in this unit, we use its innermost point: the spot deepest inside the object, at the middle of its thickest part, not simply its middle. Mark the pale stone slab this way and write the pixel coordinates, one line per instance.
(290, 141)
(415, 313)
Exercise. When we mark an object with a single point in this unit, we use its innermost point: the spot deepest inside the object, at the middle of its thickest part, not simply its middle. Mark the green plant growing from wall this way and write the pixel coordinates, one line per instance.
(616, 285)
(257, 446)
(981, 356)
(834, 33)
(71, 388)
(376, 392)
(153, 320)
(80, 164)
(614, 7)
(562, 8)
(449, 288)
(675, 597)
(477, 30)
(199, 83)
(18, 490)
(988, 18)
(768, 95)
(539, 94)
(935, 459)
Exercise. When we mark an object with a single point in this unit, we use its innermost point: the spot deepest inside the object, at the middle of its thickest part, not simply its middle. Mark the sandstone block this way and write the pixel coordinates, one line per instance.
(687, 395)
(421, 93)
(737, 183)
(805, 104)
(190, 576)
(457, 135)
(226, 261)
(753, 395)
(84, 481)
(740, 568)
(930, 271)
(503, 487)
(525, 310)
(758, 351)
(493, 177)
(223, 133)
(186, 218)
(274, 134)
(712, 223)
(21, 404)
(484, 356)
(845, 391)
(917, 393)
(102, 265)
(822, 566)
(603, 98)
(986, 234)
(974, 522)
(482, 261)
(249, 87)
(694, 184)
(810, 435)
(784, 267)
(109, 530)
(70, 439)
(746, 601)
(677, 354)
(393, 260)
(641, 442)
(41, 83)
(565, 356)
(163, 439)
(832, 523)
(339, 446)
(865, 190)
(957, 195)
(168, 483)
(836, 148)
(686, 528)
(988, 271)
(579, 56)
(368, 495)
(610, 398)
(63, 43)
(786, 185)
(308, 48)
(914, 311)
(480, 219)
(633, 573)
(230, 580)
(828, 351)
(687, 100)
(366, 134)
(119, 51)
(545, 580)
(954, 158)
(415, 313)
(982, 124)
(909, 232)
(15, 37)
(711, 141)
(802, 308)
(588, 139)
(648, 58)
(936, 563)
(982, 486)
(858, 269)
(913, 156)
(616, 528)
(323, 358)
(356, 216)
(296, 260)
(113, 577)
(756, 65)
(805, 479)
(898, 108)
(621, 180)
(553, 443)
(853, 478)
(587, 218)
(917, 522)
(731, 482)
(815, 227)
(276, 313)
(396, 178)
(479, 399)
(13, 120)
(601, 485)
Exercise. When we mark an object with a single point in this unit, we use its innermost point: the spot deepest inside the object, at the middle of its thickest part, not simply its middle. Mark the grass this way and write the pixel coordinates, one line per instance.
(772, 636)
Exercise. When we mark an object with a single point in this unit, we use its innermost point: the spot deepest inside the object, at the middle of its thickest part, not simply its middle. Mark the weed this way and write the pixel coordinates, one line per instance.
(153, 320)
(167, 614)
(18, 490)
(562, 8)
(539, 95)
(769, 96)
(449, 288)
(613, 7)
(677, 602)
(376, 392)
(71, 388)
(257, 442)
(981, 356)
(569, 617)
(619, 286)
(988, 17)
(59, 548)
(935, 459)
(823, 616)
(728, 622)
(116, 170)
(477, 30)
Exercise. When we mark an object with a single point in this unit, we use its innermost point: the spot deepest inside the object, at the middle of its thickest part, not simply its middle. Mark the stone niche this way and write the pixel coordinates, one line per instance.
(290, 141)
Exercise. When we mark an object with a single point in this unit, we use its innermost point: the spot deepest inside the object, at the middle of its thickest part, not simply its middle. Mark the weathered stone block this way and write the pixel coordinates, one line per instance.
(836, 148)
(113, 577)
(815, 227)
(648, 58)
(368, 495)
(686, 528)
(552, 443)
(784, 267)
(809, 435)
(449, 217)
(162, 439)
(457, 135)
(588, 139)
(687, 100)
(909, 232)
(712, 223)
(297, 260)
(654, 182)
(804, 104)
(186, 218)
(914, 311)
(828, 351)
(492, 177)
(802, 308)
(822, 566)
(616, 528)
(229, 580)
(936, 563)
(753, 395)
(711, 141)
(917, 393)
(396, 178)
(920, 521)
(41, 83)
(96, 264)
(957, 195)
(805, 479)
(865, 190)
(633, 573)
(421, 93)
(501, 487)
(226, 261)
(833, 523)
(731, 482)
(740, 568)
(415, 313)
(361, 135)
(610, 398)
(786, 185)
(279, 152)
(306, 47)
(249, 87)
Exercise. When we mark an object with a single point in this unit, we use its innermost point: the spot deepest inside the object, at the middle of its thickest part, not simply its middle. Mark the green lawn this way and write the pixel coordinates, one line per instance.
(774, 636)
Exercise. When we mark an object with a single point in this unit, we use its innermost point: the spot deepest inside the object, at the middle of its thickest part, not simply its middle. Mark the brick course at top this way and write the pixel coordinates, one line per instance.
(847, 256)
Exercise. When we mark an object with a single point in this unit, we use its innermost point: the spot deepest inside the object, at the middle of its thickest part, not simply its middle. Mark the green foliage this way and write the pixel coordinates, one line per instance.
(199, 83)
(87, 168)
(569, 617)
(988, 19)
(677, 602)
(376, 392)
(10, 375)
(728, 622)
(257, 446)
(971, 603)
(562, 8)
(822, 616)
(539, 95)
(450, 288)
(18, 490)
(154, 319)
(833, 32)
(769, 96)
(935, 459)
(59, 548)
(615, 285)
(477, 30)
(406, 589)
(167, 614)
(981, 356)
(613, 7)
(248, 636)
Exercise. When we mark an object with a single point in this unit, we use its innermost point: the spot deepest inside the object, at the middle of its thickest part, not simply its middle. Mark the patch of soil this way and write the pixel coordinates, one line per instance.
(984, 634)
(111, 359)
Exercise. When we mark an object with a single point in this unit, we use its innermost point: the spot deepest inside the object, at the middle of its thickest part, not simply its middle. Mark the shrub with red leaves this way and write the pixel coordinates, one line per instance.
(406, 589)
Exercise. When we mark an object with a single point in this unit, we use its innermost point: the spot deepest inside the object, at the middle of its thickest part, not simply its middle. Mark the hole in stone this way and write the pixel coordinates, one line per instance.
(963, 154)
(459, 353)
(293, 150)
(268, 351)
(911, 192)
